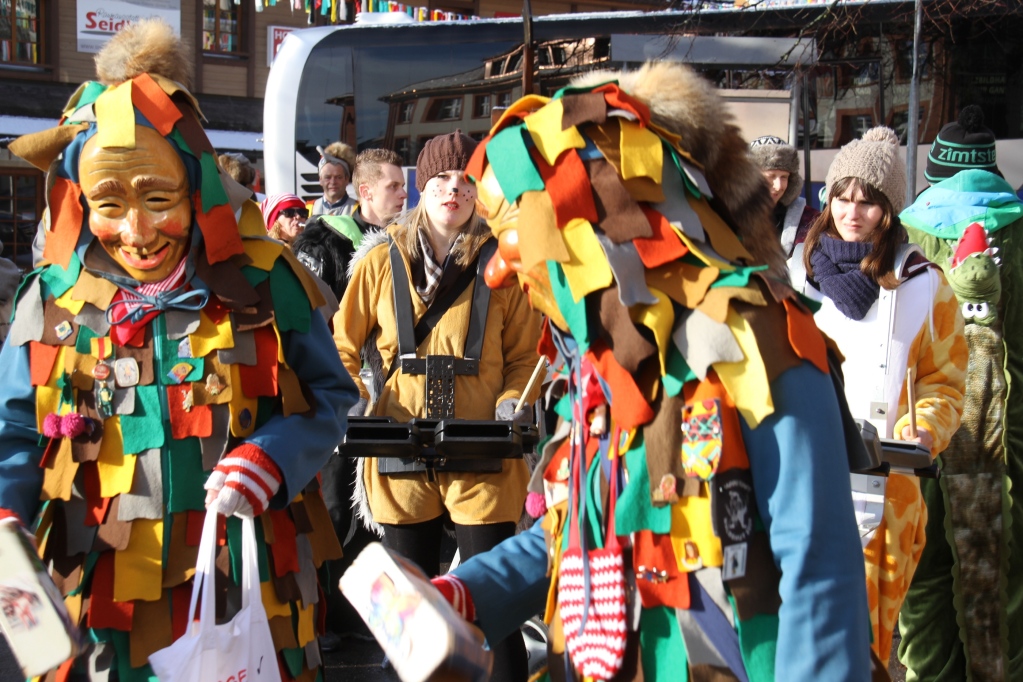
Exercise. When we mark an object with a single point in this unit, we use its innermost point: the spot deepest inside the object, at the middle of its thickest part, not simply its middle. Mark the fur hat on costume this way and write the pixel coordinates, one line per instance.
(143, 70)
(874, 159)
(965, 144)
(443, 153)
(275, 203)
(773, 153)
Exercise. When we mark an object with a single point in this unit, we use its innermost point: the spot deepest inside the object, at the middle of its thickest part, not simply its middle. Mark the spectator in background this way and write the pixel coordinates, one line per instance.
(779, 163)
(328, 242)
(284, 215)
(335, 168)
(242, 171)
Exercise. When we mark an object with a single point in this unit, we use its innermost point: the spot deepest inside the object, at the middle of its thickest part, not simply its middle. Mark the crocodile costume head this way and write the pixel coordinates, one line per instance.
(974, 275)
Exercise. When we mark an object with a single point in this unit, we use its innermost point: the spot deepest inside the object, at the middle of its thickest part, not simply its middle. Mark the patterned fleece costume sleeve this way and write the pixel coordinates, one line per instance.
(940, 360)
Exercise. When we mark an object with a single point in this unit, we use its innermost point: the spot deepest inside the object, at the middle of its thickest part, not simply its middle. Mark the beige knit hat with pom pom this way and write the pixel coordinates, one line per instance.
(874, 159)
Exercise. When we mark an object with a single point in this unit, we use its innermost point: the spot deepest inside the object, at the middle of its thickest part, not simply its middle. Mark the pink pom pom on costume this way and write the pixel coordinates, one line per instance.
(74, 424)
(51, 426)
(536, 505)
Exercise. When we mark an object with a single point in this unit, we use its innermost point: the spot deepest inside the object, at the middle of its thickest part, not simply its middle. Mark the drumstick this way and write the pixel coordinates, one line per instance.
(529, 384)
(911, 401)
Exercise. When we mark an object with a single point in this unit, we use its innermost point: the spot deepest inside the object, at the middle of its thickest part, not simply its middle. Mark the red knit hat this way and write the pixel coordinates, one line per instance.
(275, 203)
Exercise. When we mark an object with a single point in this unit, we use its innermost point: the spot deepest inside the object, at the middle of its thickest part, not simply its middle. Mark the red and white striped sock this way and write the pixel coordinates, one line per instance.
(457, 594)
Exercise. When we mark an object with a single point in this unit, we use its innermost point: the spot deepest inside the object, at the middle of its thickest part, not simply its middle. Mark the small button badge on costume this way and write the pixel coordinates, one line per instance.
(126, 372)
(179, 372)
(63, 330)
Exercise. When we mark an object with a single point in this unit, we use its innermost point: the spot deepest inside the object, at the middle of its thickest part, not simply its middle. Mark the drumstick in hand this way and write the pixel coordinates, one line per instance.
(532, 382)
(911, 401)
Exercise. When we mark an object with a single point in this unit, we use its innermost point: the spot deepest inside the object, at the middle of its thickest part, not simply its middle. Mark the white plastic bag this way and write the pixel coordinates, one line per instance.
(241, 649)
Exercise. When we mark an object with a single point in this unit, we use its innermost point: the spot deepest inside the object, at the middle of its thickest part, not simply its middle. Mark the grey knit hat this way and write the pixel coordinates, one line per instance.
(443, 153)
(772, 153)
(874, 159)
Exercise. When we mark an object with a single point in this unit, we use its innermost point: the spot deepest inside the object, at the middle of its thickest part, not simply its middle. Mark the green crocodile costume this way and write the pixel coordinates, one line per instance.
(963, 616)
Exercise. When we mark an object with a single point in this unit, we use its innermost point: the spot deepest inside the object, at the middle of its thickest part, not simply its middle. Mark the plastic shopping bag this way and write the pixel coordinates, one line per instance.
(241, 649)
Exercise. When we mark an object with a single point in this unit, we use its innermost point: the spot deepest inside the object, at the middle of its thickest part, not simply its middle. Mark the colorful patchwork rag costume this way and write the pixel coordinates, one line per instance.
(140, 395)
(707, 531)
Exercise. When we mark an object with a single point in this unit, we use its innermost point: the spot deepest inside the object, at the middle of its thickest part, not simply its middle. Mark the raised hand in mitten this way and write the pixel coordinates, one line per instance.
(243, 483)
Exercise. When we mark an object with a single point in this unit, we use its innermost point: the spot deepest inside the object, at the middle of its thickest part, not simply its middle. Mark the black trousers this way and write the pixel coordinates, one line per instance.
(421, 542)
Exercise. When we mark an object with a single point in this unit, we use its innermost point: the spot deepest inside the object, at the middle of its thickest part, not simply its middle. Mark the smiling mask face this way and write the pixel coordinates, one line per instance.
(139, 207)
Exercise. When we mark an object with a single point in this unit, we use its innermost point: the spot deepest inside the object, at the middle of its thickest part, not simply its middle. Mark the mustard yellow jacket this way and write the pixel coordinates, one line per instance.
(508, 358)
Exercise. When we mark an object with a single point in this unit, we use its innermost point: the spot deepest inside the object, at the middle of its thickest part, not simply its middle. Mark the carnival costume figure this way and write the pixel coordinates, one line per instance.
(165, 356)
(695, 506)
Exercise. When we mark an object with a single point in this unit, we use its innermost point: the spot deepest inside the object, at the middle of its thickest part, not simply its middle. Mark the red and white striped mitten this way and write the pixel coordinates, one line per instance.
(457, 594)
(243, 482)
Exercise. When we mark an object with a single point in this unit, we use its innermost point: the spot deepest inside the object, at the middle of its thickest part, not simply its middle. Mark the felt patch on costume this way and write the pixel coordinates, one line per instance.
(589, 107)
(197, 420)
(180, 323)
(572, 310)
(138, 569)
(264, 312)
(539, 237)
(519, 109)
(93, 318)
(323, 541)
(115, 118)
(41, 359)
(185, 476)
(804, 336)
(644, 189)
(664, 246)
(27, 324)
(251, 223)
(116, 468)
(291, 303)
(629, 408)
(746, 380)
(568, 185)
(214, 446)
(629, 346)
(261, 379)
(155, 105)
(306, 631)
(628, 271)
(155, 635)
(618, 215)
(242, 408)
(721, 237)
(545, 129)
(59, 474)
(515, 171)
(659, 318)
(263, 252)
(704, 342)
(275, 608)
(642, 154)
(619, 99)
(143, 429)
(41, 148)
(61, 280)
(231, 289)
(292, 397)
(59, 328)
(658, 579)
(104, 612)
(219, 231)
(285, 552)
(477, 162)
(113, 534)
(691, 522)
(242, 353)
(701, 438)
(95, 290)
(717, 303)
(635, 511)
(96, 505)
(677, 374)
(181, 555)
(210, 336)
(145, 499)
(702, 252)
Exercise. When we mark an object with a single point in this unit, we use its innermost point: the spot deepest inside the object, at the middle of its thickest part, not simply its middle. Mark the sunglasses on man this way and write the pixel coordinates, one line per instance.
(295, 213)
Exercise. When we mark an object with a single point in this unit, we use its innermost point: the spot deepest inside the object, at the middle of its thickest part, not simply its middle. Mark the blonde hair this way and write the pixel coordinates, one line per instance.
(412, 222)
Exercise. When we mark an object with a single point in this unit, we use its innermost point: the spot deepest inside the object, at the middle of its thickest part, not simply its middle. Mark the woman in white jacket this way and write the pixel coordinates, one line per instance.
(888, 309)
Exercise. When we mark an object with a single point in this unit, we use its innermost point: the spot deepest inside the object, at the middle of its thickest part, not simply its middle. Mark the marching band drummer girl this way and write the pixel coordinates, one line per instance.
(431, 262)
(889, 309)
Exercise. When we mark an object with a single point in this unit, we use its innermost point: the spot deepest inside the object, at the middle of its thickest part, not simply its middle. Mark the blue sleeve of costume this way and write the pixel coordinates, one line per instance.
(301, 444)
(509, 583)
(21, 479)
(801, 477)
